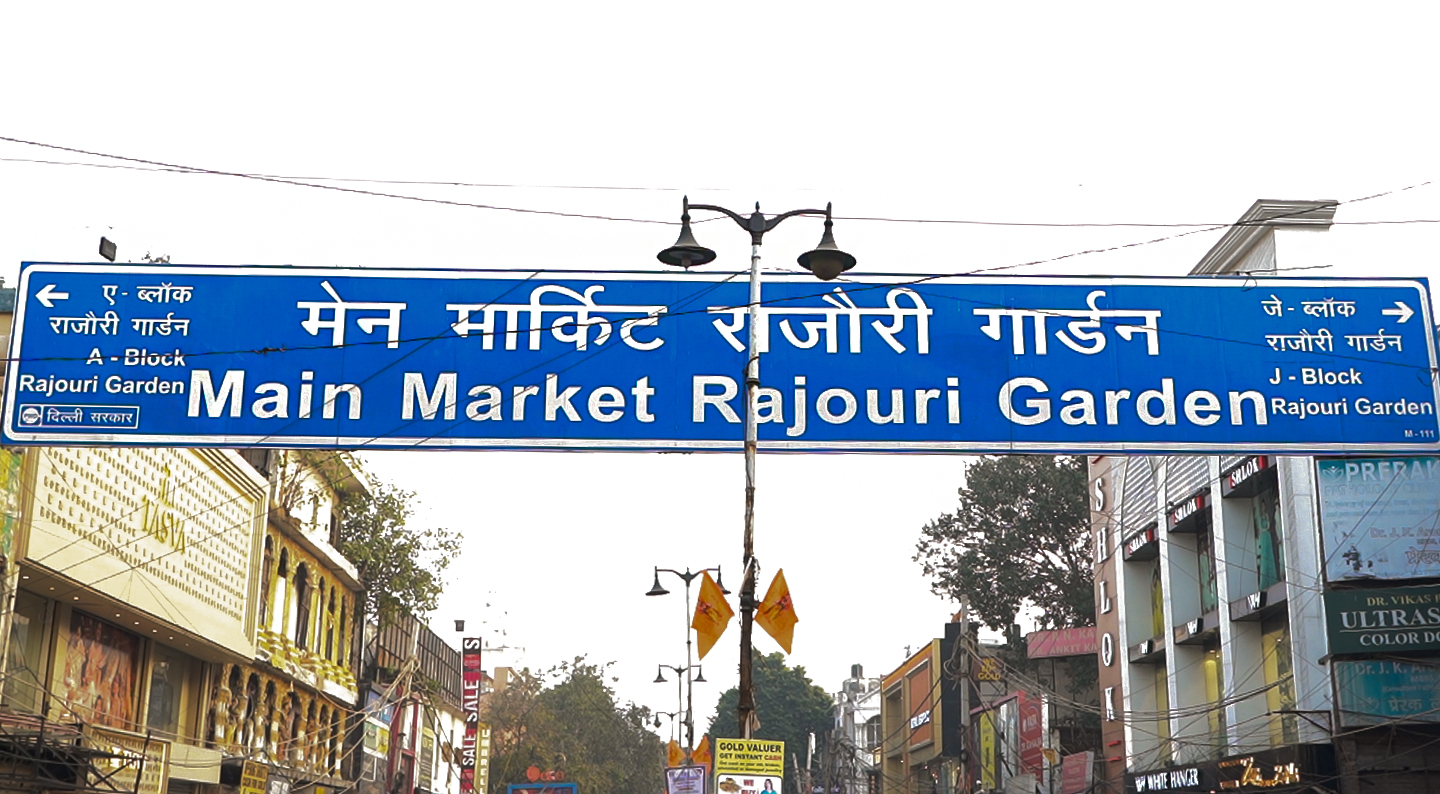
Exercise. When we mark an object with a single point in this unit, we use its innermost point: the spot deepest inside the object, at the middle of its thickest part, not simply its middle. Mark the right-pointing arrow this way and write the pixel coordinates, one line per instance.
(1401, 311)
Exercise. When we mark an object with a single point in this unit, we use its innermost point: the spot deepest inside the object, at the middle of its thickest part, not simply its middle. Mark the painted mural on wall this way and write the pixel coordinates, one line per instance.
(99, 681)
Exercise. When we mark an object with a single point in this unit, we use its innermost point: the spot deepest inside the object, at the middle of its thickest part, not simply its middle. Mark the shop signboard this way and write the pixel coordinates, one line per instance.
(1192, 777)
(1077, 772)
(542, 788)
(1388, 620)
(253, 777)
(128, 761)
(749, 766)
(685, 780)
(1289, 767)
(171, 355)
(1381, 691)
(1080, 641)
(1031, 715)
(470, 684)
(1378, 517)
(989, 750)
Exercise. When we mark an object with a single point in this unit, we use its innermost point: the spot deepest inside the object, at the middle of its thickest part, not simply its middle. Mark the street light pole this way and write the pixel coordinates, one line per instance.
(656, 590)
(826, 261)
(685, 694)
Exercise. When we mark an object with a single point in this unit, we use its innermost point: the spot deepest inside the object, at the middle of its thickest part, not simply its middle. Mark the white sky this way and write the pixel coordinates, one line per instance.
(1057, 113)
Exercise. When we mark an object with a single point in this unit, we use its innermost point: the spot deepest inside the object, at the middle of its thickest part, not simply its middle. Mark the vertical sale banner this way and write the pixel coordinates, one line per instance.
(470, 700)
(749, 766)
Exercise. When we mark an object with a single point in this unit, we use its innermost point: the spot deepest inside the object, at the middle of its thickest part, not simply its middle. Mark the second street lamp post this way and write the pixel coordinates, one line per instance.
(657, 590)
(826, 261)
(685, 699)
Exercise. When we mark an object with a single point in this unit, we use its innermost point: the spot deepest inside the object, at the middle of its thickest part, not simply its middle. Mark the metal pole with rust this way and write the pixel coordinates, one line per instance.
(826, 261)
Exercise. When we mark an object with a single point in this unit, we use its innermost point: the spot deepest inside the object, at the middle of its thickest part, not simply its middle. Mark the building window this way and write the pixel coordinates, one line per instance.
(330, 627)
(302, 606)
(1279, 674)
(1162, 706)
(1205, 560)
(167, 683)
(281, 575)
(1269, 539)
(1157, 601)
(25, 665)
(1214, 691)
(267, 570)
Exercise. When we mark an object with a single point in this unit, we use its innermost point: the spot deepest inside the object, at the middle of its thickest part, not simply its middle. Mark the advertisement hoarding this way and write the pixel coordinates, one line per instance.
(749, 766)
(1380, 517)
(685, 780)
(173, 535)
(1383, 620)
(470, 686)
(1381, 691)
(1057, 643)
(118, 354)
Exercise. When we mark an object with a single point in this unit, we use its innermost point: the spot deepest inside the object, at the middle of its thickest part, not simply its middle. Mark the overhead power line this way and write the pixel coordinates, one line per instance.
(141, 164)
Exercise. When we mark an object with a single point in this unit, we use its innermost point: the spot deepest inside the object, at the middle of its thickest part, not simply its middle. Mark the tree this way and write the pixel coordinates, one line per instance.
(574, 727)
(789, 705)
(400, 566)
(1018, 539)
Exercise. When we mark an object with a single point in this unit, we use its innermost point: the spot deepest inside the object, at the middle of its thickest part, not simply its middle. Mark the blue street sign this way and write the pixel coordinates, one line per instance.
(242, 356)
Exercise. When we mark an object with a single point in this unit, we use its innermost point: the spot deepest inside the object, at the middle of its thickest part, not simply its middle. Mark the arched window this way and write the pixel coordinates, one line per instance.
(330, 627)
(308, 755)
(249, 724)
(344, 646)
(266, 571)
(302, 606)
(334, 768)
(282, 594)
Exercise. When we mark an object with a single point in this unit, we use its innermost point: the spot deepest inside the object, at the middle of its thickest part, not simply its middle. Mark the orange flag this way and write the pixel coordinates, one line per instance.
(712, 614)
(776, 614)
(674, 754)
(701, 756)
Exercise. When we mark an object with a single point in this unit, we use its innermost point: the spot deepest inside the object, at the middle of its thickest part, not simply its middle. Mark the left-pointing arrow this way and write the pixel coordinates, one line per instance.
(48, 296)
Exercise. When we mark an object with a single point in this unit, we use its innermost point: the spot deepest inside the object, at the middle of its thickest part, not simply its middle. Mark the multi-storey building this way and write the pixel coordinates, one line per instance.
(415, 723)
(1218, 667)
(855, 741)
(175, 620)
(131, 582)
(288, 706)
(920, 719)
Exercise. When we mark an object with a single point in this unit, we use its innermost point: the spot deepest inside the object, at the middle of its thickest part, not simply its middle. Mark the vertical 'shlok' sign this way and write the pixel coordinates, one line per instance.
(470, 699)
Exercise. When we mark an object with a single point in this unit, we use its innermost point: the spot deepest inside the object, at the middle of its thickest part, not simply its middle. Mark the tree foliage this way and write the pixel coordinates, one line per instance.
(574, 727)
(789, 705)
(1019, 538)
(400, 565)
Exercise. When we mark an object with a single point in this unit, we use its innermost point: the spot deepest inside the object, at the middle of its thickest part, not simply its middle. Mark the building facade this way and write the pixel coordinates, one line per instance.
(854, 744)
(920, 720)
(131, 578)
(168, 606)
(288, 706)
(1218, 666)
(414, 729)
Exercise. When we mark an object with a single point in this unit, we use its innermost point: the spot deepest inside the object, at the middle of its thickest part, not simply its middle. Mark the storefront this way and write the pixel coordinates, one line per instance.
(1283, 770)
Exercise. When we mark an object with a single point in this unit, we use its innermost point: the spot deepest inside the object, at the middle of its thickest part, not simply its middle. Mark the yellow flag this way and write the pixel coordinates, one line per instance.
(675, 754)
(701, 756)
(712, 614)
(776, 614)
